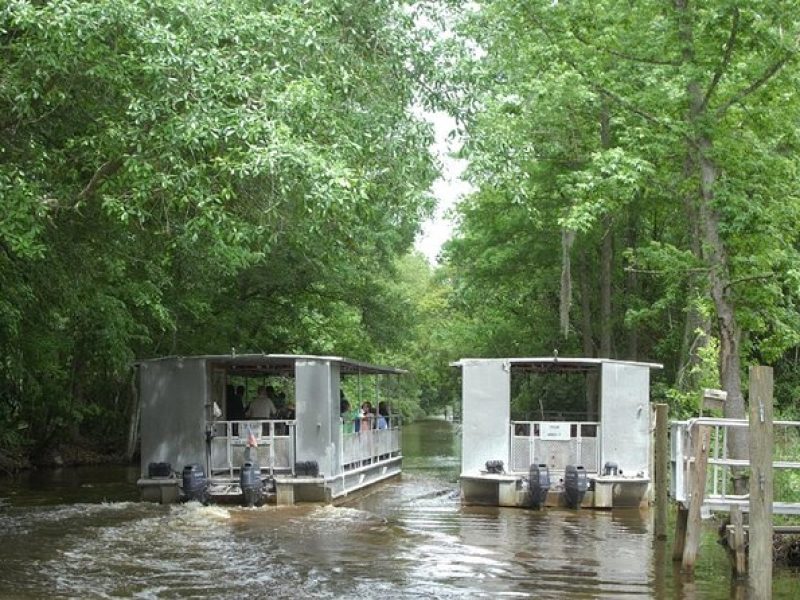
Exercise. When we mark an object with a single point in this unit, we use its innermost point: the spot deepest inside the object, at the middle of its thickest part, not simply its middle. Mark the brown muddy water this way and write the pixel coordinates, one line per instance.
(80, 533)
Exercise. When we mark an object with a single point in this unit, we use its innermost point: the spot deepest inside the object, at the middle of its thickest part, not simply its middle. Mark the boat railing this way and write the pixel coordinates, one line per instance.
(370, 443)
(273, 439)
(554, 443)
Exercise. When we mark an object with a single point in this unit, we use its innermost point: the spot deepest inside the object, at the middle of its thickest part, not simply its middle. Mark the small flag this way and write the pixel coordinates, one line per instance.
(252, 442)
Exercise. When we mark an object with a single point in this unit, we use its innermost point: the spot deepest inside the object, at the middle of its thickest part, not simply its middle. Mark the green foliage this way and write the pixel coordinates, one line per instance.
(579, 117)
(685, 401)
(185, 177)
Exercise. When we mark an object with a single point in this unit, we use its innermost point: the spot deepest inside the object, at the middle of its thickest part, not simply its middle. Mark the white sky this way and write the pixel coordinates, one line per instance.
(448, 189)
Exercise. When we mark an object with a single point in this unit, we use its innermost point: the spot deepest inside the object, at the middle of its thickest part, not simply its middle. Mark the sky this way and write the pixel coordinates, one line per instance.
(448, 189)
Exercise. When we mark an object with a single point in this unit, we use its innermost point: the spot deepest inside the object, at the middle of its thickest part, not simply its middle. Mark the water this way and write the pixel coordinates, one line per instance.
(79, 533)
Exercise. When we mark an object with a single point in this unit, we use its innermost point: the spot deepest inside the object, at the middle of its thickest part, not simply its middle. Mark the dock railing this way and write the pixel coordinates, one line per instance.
(718, 493)
(554, 443)
(369, 444)
(275, 449)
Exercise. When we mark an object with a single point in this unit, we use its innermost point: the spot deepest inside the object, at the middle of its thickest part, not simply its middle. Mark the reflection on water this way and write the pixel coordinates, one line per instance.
(407, 538)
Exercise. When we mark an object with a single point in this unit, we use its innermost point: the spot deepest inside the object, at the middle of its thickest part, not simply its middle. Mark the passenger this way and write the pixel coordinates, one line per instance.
(234, 403)
(383, 415)
(348, 425)
(285, 412)
(366, 416)
(282, 405)
(353, 415)
(262, 407)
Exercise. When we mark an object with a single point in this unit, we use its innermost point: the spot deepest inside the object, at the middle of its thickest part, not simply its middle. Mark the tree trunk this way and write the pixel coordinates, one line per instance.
(134, 415)
(606, 251)
(697, 327)
(719, 278)
(606, 259)
(701, 144)
(632, 286)
(76, 392)
(587, 337)
(565, 296)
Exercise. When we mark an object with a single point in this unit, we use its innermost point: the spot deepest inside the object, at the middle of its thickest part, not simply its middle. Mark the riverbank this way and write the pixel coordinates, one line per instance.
(63, 455)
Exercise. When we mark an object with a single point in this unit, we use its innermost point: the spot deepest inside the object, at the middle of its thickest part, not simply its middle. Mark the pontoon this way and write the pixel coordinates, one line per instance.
(197, 441)
(590, 449)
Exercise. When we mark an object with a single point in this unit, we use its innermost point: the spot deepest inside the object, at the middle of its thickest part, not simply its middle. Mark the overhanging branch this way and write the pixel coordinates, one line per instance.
(622, 55)
(768, 74)
(106, 170)
(726, 59)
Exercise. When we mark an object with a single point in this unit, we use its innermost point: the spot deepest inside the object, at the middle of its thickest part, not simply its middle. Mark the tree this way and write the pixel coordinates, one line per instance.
(695, 99)
(164, 167)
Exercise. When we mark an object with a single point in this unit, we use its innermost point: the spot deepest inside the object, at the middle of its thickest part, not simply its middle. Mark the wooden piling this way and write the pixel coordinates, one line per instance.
(680, 533)
(737, 542)
(697, 477)
(761, 493)
(661, 469)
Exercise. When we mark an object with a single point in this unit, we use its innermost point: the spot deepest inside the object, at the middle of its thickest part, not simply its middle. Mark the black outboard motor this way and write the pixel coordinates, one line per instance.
(538, 484)
(575, 485)
(611, 468)
(252, 487)
(494, 466)
(195, 484)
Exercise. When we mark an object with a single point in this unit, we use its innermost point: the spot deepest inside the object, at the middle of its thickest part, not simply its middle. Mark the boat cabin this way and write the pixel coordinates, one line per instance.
(262, 427)
(555, 431)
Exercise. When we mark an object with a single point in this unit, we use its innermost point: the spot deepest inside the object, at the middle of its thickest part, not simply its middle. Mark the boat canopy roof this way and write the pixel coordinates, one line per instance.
(556, 364)
(279, 364)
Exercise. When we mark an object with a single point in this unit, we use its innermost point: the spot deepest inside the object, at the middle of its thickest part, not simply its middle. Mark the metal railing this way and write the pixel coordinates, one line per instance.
(274, 452)
(369, 445)
(718, 493)
(572, 443)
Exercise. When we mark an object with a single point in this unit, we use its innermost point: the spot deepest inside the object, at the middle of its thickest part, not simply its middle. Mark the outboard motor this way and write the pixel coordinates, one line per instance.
(195, 484)
(494, 466)
(538, 484)
(611, 468)
(575, 485)
(252, 487)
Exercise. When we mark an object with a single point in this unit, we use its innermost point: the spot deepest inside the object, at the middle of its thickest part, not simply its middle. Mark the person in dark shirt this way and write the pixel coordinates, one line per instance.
(235, 403)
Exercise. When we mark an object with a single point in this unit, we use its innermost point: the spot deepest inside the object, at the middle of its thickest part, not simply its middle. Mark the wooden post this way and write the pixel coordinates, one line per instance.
(697, 476)
(660, 570)
(680, 533)
(737, 539)
(761, 492)
(662, 468)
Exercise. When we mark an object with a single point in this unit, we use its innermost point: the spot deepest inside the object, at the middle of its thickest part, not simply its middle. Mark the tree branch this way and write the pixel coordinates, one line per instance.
(622, 55)
(602, 90)
(106, 170)
(757, 84)
(761, 277)
(726, 59)
(665, 271)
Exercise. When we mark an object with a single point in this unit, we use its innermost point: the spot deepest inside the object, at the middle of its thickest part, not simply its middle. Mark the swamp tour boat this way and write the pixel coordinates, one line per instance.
(301, 439)
(555, 432)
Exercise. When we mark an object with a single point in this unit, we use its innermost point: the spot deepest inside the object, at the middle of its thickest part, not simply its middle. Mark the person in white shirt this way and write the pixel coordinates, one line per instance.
(262, 406)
